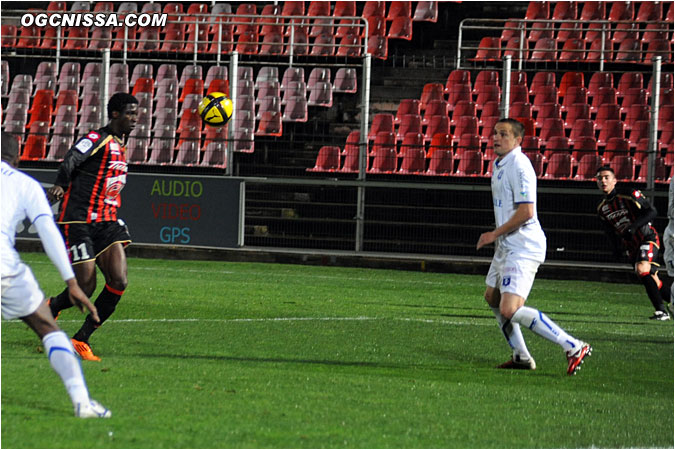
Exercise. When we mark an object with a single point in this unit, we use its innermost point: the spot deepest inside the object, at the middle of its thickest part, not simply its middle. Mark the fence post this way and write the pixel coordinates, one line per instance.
(363, 155)
(234, 81)
(103, 87)
(506, 87)
(653, 126)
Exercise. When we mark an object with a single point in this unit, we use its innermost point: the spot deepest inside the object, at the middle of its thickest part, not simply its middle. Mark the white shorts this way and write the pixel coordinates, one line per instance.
(21, 294)
(512, 273)
(668, 248)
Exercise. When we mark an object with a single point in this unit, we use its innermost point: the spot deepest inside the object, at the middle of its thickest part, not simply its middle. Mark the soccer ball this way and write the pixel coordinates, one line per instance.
(215, 109)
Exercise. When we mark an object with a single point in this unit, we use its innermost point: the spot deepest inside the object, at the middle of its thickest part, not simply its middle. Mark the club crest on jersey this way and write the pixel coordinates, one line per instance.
(94, 136)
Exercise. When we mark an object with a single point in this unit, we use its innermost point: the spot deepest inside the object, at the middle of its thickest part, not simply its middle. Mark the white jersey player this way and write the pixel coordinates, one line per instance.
(520, 247)
(668, 238)
(23, 198)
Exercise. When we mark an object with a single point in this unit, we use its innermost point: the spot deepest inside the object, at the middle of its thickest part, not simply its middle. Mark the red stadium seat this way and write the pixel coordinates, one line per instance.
(328, 159)
(545, 94)
(550, 128)
(439, 124)
(616, 146)
(559, 166)
(440, 141)
(413, 161)
(565, 11)
(573, 50)
(270, 124)
(544, 50)
(381, 122)
(635, 112)
(621, 11)
(570, 79)
(470, 163)
(542, 79)
(582, 128)
(426, 12)
(611, 129)
(462, 109)
(410, 123)
(487, 93)
(465, 125)
(467, 142)
(640, 130)
(573, 95)
(599, 80)
(556, 144)
(583, 146)
(215, 155)
(441, 163)
(629, 50)
(624, 167)
(489, 49)
(401, 28)
(587, 167)
(385, 160)
(35, 148)
(576, 112)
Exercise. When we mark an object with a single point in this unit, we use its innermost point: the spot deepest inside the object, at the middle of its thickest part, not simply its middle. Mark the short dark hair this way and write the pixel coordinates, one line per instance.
(118, 101)
(604, 169)
(10, 146)
(516, 126)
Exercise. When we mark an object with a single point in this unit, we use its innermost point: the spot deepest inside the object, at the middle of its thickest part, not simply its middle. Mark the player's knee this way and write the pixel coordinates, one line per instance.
(507, 310)
(118, 283)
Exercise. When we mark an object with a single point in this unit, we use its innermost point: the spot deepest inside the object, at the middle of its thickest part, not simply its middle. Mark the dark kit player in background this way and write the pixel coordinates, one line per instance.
(88, 183)
(626, 217)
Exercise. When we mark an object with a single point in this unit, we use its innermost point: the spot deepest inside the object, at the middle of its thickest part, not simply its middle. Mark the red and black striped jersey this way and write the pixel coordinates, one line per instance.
(92, 175)
(627, 216)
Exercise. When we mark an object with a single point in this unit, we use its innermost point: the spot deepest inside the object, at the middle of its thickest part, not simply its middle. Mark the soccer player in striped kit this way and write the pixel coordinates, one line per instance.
(520, 247)
(88, 183)
(626, 217)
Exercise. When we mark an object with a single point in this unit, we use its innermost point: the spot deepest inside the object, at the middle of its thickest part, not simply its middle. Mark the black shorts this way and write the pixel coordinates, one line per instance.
(647, 251)
(85, 241)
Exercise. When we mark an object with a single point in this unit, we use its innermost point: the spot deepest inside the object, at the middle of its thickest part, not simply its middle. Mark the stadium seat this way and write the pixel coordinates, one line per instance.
(426, 12)
(383, 139)
(575, 113)
(66, 97)
(624, 167)
(629, 50)
(629, 80)
(293, 89)
(440, 124)
(544, 50)
(556, 144)
(642, 151)
(215, 155)
(488, 93)
(461, 109)
(517, 49)
(658, 47)
(559, 166)
(639, 131)
(487, 127)
(604, 96)
(22, 82)
(407, 106)
(606, 112)
(35, 148)
(77, 38)
(328, 159)
(465, 125)
(457, 77)
(467, 141)
(596, 51)
(442, 108)
(520, 109)
(599, 80)
(61, 141)
(574, 95)
(581, 146)
(573, 50)
(400, 28)
(621, 11)
(378, 46)
(440, 162)
(385, 160)
(295, 109)
(320, 94)
(550, 128)
(624, 31)
(350, 46)
(137, 146)
(269, 88)
(616, 146)
(188, 153)
(582, 128)
(654, 32)
(273, 44)
(410, 123)
(666, 140)
(470, 163)
(490, 108)
(611, 129)
(413, 140)
(545, 94)
(439, 141)
(345, 80)
(351, 161)
(565, 11)
(634, 96)
(29, 37)
(634, 113)
(270, 124)
(541, 79)
(143, 85)
(519, 94)
(9, 35)
(413, 161)
(537, 10)
(381, 122)
(531, 144)
(489, 49)
(587, 167)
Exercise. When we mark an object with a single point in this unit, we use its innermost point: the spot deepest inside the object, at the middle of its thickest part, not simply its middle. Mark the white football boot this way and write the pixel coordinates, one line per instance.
(92, 410)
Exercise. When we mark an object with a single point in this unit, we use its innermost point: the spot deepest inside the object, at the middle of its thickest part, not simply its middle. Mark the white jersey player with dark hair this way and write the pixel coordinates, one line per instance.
(23, 198)
(520, 247)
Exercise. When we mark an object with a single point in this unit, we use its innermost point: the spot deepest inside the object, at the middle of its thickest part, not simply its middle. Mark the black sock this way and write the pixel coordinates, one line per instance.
(60, 302)
(653, 292)
(105, 304)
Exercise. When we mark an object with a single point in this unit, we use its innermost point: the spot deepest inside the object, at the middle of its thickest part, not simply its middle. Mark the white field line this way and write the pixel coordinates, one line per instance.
(486, 322)
(557, 288)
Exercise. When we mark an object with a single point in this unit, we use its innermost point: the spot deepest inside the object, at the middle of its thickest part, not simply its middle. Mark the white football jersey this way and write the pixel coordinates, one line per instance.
(22, 198)
(514, 182)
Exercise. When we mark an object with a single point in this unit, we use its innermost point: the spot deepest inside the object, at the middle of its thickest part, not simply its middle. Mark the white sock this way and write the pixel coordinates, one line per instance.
(542, 325)
(513, 335)
(62, 357)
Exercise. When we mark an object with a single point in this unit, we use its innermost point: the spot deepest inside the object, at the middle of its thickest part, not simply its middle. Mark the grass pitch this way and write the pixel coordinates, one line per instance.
(232, 355)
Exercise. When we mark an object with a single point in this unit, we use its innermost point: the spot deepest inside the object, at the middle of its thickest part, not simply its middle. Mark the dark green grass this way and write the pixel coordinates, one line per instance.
(222, 355)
